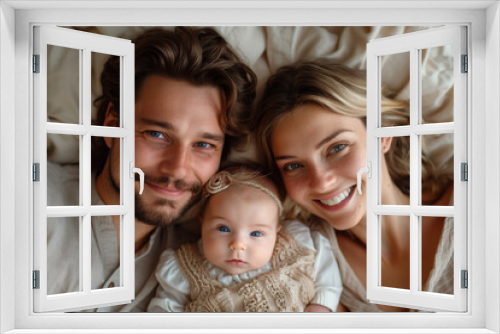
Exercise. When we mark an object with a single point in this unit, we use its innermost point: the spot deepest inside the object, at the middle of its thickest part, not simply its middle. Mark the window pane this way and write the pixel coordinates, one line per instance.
(395, 77)
(437, 254)
(113, 89)
(63, 255)
(63, 93)
(437, 84)
(63, 180)
(111, 172)
(397, 173)
(437, 169)
(395, 251)
(105, 252)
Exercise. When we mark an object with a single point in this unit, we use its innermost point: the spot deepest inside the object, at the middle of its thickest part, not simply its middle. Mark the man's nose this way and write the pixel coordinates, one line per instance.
(237, 244)
(177, 162)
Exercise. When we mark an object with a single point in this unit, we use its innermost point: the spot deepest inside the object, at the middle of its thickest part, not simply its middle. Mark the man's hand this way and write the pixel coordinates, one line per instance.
(317, 308)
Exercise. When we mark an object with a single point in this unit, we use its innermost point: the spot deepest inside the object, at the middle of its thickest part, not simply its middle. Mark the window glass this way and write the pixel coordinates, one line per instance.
(431, 229)
(67, 110)
(437, 168)
(106, 251)
(394, 256)
(437, 71)
(98, 60)
(100, 151)
(395, 83)
(397, 173)
(63, 191)
(63, 255)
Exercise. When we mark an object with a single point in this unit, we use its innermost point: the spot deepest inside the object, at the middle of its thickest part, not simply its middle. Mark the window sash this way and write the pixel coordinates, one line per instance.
(412, 43)
(85, 43)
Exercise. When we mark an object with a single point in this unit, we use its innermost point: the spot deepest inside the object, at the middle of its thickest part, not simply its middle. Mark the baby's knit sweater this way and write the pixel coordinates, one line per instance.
(288, 287)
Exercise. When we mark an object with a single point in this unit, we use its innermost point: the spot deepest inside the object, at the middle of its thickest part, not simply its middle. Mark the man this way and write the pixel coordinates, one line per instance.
(193, 100)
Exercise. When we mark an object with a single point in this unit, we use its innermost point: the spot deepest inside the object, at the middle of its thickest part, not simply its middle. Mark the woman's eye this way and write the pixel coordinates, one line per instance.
(292, 166)
(223, 229)
(256, 234)
(337, 148)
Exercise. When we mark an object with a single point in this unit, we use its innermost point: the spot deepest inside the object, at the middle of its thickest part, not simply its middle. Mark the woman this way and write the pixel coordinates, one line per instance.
(311, 126)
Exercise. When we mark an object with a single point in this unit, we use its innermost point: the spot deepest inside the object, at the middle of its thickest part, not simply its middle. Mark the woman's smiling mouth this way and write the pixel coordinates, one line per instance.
(337, 202)
(337, 199)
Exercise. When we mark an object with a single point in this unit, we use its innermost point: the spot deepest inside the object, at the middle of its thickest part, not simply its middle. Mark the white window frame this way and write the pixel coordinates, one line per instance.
(85, 43)
(16, 21)
(412, 44)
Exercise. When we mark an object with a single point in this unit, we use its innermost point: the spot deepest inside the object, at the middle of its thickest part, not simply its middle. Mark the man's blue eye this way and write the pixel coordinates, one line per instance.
(223, 229)
(156, 134)
(256, 234)
(203, 145)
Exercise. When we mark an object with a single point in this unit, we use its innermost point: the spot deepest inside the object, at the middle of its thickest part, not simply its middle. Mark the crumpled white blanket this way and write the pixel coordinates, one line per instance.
(265, 49)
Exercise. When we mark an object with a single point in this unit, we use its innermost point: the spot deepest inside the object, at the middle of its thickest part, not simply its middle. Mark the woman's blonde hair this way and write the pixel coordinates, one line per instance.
(342, 90)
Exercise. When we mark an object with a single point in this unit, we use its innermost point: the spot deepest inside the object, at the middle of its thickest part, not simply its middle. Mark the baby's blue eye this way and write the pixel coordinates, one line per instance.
(256, 234)
(223, 229)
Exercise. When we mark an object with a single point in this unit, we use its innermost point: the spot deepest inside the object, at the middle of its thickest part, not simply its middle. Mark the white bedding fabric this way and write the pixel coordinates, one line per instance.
(265, 49)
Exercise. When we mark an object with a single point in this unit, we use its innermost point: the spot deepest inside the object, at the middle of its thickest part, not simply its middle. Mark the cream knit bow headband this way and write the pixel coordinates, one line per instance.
(222, 180)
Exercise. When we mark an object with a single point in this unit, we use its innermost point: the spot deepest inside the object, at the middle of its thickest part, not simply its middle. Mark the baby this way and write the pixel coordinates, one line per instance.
(246, 261)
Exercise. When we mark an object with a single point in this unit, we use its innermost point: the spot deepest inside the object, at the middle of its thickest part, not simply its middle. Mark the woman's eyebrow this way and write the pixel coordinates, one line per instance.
(330, 137)
(284, 157)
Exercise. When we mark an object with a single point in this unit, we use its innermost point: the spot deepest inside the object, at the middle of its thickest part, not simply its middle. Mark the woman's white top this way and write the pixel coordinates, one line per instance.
(354, 294)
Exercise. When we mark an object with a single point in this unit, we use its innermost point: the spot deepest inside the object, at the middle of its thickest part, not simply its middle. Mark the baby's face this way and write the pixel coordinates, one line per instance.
(239, 228)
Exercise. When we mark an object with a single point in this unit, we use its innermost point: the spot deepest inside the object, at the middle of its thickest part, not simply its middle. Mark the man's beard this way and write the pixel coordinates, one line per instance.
(152, 214)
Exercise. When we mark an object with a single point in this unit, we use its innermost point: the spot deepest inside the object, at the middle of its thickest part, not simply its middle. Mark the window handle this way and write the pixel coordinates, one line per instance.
(368, 171)
(141, 175)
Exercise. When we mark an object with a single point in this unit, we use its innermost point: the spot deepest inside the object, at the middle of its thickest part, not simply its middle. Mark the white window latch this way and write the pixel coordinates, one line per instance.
(141, 175)
(368, 171)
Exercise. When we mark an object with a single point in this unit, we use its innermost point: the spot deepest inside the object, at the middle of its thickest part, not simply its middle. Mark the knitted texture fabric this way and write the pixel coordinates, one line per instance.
(288, 287)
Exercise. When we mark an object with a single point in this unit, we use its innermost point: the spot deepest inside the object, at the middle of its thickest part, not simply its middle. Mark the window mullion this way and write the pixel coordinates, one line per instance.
(85, 254)
(420, 129)
(433, 128)
(85, 112)
(415, 170)
(85, 167)
(421, 211)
